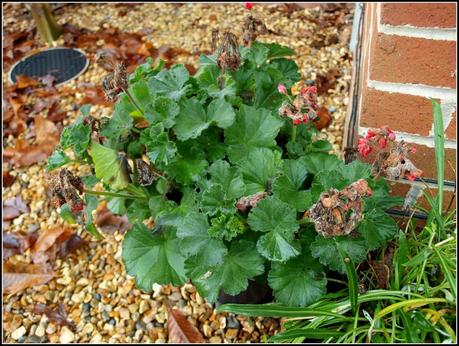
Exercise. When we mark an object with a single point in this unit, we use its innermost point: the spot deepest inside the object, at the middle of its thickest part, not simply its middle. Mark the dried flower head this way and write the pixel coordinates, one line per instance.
(246, 202)
(338, 212)
(144, 172)
(395, 164)
(65, 188)
(303, 108)
(229, 57)
(251, 29)
(115, 81)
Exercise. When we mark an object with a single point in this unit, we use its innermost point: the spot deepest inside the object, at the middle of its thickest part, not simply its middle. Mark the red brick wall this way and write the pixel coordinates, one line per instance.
(408, 55)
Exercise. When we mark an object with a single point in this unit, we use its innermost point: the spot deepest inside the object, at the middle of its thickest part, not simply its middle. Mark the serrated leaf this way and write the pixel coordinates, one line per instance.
(119, 125)
(376, 228)
(162, 109)
(230, 178)
(289, 70)
(356, 170)
(316, 162)
(326, 251)
(77, 137)
(160, 150)
(259, 168)
(327, 180)
(214, 200)
(288, 187)
(275, 50)
(57, 159)
(298, 282)
(109, 167)
(140, 92)
(193, 119)
(278, 220)
(226, 227)
(153, 258)
(170, 83)
(138, 211)
(187, 170)
(253, 128)
(240, 264)
(207, 78)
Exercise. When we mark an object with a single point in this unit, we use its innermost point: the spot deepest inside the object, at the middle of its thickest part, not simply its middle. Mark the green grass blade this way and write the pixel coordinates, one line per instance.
(439, 135)
(409, 329)
(447, 272)
(307, 333)
(351, 276)
(411, 303)
(274, 310)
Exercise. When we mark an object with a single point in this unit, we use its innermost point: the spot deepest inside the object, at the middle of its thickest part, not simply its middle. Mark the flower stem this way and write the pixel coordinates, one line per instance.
(111, 194)
(133, 102)
(293, 133)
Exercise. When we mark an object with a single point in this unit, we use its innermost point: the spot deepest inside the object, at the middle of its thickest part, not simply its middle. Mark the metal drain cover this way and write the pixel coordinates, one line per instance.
(64, 64)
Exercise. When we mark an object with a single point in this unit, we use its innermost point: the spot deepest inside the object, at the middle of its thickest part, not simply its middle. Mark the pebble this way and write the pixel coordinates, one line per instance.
(18, 333)
(215, 340)
(231, 333)
(66, 336)
(232, 322)
(124, 313)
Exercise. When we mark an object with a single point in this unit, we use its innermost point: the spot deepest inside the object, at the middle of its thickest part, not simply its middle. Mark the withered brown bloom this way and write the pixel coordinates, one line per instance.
(244, 203)
(395, 164)
(338, 212)
(229, 57)
(116, 80)
(65, 188)
(251, 29)
(144, 172)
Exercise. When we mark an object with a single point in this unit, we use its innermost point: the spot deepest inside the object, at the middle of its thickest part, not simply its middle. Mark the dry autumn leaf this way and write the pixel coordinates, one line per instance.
(324, 118)
(56, 315)
(19, 276)
(17, 243)
(181, 331)
(110, 223)
(13, 207)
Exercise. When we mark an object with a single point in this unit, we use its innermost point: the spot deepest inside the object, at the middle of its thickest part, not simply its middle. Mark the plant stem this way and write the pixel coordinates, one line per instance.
(293, 133)
(133, 102)
(111, 194)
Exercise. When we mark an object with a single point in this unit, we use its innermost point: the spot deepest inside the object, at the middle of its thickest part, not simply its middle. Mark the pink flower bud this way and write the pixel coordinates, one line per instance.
(391, 135)
(411, 177)
(370, 134)
(282, 89)
(248, 5)
(382, 142)
(296, 122)
(413, 149)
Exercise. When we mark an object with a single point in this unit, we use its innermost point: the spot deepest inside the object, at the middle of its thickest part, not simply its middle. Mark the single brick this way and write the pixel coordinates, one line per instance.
(450, 132)
(425, 15)
(401, 112)
(401, 59)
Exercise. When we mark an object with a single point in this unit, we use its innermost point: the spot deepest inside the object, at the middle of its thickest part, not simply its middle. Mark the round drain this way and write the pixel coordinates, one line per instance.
(64, 64)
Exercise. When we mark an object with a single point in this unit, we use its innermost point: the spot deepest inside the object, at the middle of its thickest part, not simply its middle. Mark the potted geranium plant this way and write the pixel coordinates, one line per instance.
(222, 178)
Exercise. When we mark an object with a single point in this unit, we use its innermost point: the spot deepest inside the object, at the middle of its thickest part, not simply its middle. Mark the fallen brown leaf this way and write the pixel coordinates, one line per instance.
(57, 315)
(110, 223)
(8, 179)
(24, 82)
(13, 207)
(181, 331)
(17, 243)
(327, 81)
(324, 119)
(19, 276)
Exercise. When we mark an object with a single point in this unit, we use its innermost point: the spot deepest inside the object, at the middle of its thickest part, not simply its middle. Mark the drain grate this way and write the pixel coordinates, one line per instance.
(64, 64)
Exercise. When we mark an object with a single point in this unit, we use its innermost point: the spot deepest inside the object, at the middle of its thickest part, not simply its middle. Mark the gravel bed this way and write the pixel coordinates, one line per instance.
(92, 284)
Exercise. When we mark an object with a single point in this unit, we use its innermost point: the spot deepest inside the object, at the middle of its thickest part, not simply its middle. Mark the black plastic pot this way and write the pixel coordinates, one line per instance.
(257, 292)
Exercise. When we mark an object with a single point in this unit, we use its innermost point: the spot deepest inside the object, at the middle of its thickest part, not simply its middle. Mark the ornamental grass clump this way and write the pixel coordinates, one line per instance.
(224, 179)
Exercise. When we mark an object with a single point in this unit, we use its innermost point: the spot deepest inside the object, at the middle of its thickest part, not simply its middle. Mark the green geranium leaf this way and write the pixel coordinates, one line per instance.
(56, 160)
(187, 170)
(193, 119)
(376, 228)
(288, 187)
(160, 150)
(117, 205)
(356, 170)
(275, 50)
(153, 259)
(163, 110)
(77, 137)
(140, 92)
(226, 227)
(67, 215)
(230, 178)
(207, 78)
(253, 128)
(259, 168)
(85, 110)
(109, 166)
(289, 70)
(278, 220)
(215, 199)
(138, 211)
(120, 124)
(298, 282)
(327, 180)
(316, 162)
(241, 263)
(326, 251)
(170, 83)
